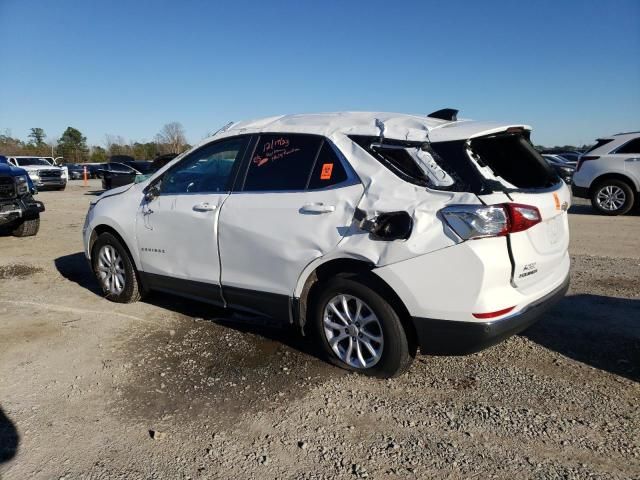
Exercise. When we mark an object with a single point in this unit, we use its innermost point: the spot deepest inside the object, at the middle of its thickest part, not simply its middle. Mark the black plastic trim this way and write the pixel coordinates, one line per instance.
(448, 337)
(201, 291)
(274, 305)
(580, 192)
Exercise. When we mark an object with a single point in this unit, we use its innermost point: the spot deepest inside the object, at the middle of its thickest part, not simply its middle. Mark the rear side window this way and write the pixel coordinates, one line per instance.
(630, 147)
(328, 170)
(282, 162)
(441, 166)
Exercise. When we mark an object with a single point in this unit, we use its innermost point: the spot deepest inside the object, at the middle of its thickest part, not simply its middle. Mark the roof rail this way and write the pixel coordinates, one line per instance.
(445, 114)
(625, 133)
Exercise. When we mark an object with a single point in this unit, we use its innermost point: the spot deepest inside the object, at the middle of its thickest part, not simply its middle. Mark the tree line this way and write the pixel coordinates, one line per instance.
(72, 145)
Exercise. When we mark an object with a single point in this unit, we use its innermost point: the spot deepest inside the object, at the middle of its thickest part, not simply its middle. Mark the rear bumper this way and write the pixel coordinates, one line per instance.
(580, 192)
(449, 337)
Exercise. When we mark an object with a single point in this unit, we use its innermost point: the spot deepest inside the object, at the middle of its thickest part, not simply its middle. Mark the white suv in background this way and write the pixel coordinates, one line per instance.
(609, 174)
(377, 232)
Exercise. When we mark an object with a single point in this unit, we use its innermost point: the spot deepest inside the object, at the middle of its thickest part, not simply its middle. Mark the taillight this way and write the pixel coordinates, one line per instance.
(522, 217)
(480, 221)
(585, 158)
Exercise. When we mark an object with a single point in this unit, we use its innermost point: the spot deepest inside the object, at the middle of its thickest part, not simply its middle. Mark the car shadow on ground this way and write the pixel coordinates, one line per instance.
(582, 209)
(9, 438)
(75, 268)
(603, 332)
(94, 193)
(268, 328)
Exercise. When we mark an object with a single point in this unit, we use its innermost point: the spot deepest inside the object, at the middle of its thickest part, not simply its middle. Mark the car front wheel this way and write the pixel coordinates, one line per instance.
(359, 330)
(612, 197)
(114, 270)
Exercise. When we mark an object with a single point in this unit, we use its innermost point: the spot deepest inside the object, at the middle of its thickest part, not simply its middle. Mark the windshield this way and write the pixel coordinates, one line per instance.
(25, 162)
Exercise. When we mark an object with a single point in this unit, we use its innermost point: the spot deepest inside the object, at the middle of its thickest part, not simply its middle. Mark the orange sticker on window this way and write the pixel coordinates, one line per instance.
(556, 200)
(327, 168)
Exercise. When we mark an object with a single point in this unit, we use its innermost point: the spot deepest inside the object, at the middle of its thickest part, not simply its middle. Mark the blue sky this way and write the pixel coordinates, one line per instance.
(571, 69)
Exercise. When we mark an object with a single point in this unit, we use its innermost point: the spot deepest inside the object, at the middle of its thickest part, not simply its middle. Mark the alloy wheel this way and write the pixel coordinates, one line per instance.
(353, 331)
(611, 198)
(110, 270)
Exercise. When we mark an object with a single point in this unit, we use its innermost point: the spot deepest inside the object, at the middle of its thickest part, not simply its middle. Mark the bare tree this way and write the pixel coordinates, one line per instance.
(115, 144)
(171, 138)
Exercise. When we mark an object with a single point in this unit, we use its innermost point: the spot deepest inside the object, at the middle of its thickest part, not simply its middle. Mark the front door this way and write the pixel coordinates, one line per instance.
(178, 229)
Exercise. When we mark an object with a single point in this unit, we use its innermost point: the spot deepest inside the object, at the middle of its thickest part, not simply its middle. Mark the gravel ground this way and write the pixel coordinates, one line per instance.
(169, 388)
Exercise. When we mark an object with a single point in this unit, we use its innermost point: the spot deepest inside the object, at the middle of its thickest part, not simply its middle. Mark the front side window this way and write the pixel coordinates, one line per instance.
(632, 147)
(282, 162)
(207, 170)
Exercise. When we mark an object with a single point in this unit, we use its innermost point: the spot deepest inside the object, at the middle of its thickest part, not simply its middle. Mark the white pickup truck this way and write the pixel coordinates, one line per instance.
(43, 172)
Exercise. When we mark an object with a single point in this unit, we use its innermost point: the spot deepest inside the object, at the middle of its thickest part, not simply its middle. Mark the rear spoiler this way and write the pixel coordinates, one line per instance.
(450, 114)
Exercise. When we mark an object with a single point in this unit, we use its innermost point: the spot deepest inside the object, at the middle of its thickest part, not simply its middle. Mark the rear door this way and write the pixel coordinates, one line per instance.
(295, 203)
(631, 153)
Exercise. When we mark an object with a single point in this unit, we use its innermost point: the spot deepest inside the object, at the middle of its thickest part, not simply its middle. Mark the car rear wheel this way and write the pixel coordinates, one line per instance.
(612, 197)
(359, 330)
(114, 270)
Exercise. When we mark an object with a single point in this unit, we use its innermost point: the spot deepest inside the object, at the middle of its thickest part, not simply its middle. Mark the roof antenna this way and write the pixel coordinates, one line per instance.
(380, 125)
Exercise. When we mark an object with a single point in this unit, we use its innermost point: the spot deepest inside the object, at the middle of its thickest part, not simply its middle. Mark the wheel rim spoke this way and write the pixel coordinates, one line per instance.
(338, 313)
(353, 331)
(110, 270)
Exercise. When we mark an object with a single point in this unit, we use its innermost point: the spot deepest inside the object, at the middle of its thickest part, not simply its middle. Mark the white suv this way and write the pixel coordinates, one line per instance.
(377, 232)
(609, 174)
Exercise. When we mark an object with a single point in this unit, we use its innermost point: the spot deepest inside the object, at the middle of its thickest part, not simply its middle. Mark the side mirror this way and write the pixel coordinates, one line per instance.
(150, 193)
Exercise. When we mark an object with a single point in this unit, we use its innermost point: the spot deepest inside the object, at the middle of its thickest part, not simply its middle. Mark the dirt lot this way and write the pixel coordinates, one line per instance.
(85, 385)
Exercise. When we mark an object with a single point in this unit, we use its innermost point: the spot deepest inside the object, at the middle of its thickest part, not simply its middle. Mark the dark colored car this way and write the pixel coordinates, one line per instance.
(563, 167)
(116, 174)
(18, 210)
(76, 171)
(161, 160)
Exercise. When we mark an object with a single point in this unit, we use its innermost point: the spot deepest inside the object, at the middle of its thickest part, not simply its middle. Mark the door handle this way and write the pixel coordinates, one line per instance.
(204, 207)
(633, 159)
(317, 208)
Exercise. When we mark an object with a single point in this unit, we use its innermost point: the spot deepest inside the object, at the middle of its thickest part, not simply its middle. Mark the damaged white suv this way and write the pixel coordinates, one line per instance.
(379, 232)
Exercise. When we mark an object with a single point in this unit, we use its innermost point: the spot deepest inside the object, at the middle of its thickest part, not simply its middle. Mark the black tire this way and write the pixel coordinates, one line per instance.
(615, 185)
(131, 291)
(27, 228)
(397, 353)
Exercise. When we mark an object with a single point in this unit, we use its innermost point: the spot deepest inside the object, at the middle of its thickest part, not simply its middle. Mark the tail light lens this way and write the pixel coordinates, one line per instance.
(480, 221)
(585, 158)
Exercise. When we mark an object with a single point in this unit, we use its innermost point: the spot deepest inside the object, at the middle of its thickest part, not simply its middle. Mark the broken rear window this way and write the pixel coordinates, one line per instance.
(441, 166)
(512, 158)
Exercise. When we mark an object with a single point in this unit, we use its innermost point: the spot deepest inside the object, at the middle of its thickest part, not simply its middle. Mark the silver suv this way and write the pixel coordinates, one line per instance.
(609, 174)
